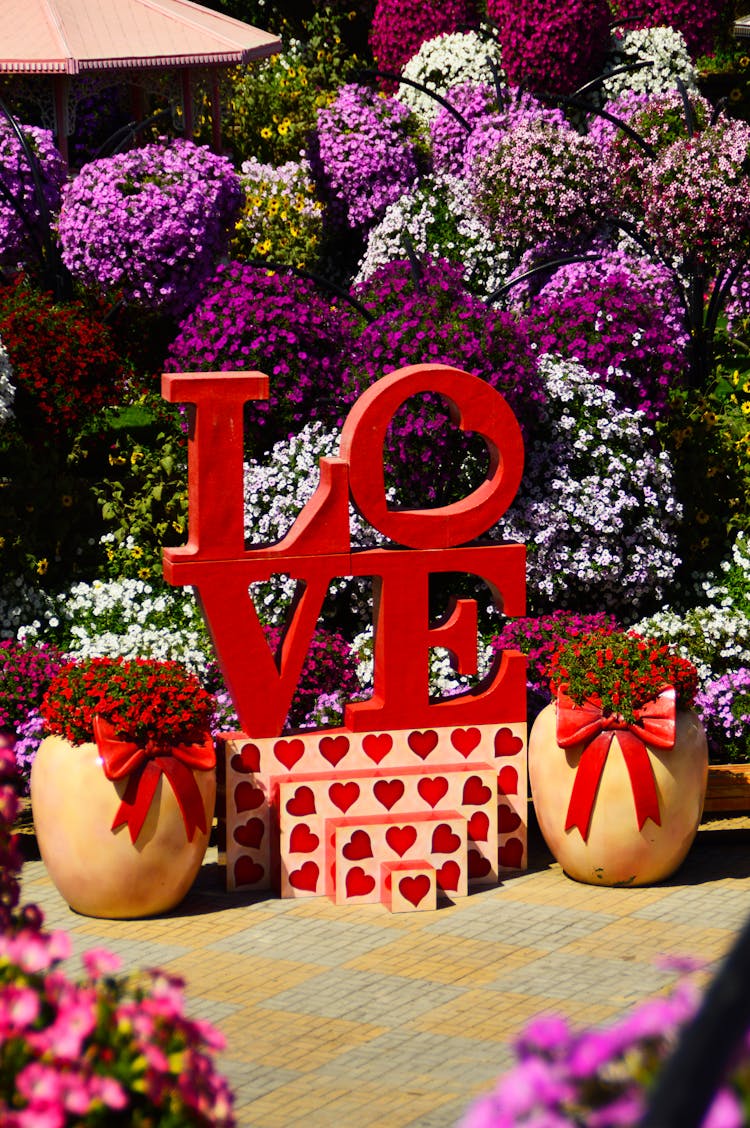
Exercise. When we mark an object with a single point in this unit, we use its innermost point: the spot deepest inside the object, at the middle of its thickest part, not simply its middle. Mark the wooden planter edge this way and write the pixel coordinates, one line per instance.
(728, 788)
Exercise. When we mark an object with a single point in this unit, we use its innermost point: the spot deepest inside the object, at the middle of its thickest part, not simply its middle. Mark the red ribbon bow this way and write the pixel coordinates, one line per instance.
(654, 724)
(144, 766)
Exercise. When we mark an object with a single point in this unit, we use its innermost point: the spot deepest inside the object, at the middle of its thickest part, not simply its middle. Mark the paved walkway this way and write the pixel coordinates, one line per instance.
(353, 1017)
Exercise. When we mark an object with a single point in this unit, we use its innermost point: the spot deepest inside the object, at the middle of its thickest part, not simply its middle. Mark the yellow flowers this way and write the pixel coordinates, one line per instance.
(42, 565)
(265, 132)
(745, 409)
(66, 501)
(701, 517)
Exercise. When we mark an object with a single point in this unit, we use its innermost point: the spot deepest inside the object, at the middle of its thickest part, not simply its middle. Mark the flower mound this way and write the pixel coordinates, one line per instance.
(541, 183)
(597, 507)
(551, 46)
(150, 223)
(620, 672)
(18, 235)
(399, 27)
(724, 705)
(620, 317)
(698, 20)
(141, 699)
(444, 62)
(437, 320)
(25, 674)
(279, 324)
(366, 157)
(664, 48)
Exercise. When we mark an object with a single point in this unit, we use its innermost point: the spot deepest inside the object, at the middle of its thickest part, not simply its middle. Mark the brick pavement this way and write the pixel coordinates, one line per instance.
(339, 1017)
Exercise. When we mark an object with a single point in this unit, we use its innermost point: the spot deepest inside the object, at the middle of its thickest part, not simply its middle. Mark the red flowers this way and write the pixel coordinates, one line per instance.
(141, 698)
(620, 671)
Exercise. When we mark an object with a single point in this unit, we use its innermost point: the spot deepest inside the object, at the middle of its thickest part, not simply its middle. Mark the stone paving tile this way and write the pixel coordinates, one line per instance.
(644, 941)
(498, 1016)
(302, 1042)
(491, 916)
(586, 978)
(323, 1103)
(407, 1056)
(440, 959)
(297, 938)
(695, 905)
(364, 996)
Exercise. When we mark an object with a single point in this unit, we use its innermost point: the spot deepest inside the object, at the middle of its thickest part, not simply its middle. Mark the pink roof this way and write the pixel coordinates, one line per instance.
(75, 36)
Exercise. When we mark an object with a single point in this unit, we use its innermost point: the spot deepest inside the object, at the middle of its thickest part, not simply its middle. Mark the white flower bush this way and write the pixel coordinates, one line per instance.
(663, 47)
(19, 604)
(443, 62)
(597, 508)
(440, 219)
(7, 388)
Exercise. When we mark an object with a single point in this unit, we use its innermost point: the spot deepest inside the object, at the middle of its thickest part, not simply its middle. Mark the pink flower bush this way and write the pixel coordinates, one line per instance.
(151, 223)
(551, 45)
(108, 1050)
(400, 27)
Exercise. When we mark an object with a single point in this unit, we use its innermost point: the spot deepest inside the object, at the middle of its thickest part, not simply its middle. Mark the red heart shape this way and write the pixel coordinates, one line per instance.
(358, 847)
(377, 746)
(433, 790)
(465, 740)
(247, 760)
(478, 866)
(479, 826)
(305, 878)
(302, 802)
(247, 797)
(511, 853)
(250, 834)
(449, 875)
(506, 744)
(400, 838)
(358, 883)
(342, 795)
(414, 889)
(507, 819)
(334, 748)
(475, 792)
(507, 781)
(444, 841)
(247, 871)
(422, 743)
(388, 792)
(288, 752)
(302, 840)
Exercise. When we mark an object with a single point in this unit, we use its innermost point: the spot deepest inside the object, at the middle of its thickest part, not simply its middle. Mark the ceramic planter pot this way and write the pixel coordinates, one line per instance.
(615, 851)
(99, 871)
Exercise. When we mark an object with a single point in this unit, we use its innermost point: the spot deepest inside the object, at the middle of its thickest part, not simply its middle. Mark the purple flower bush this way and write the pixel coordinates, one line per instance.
(107, 1049)
(541, 183)
(279, 324)
(600, 1077)
(366, 156)
(724, 705)
(16, 240)
(25, 673)
(698, 20)
(620, 317)
(400, 27)
(437, 320)
(150, 224)
(551, 46)
(597, 506)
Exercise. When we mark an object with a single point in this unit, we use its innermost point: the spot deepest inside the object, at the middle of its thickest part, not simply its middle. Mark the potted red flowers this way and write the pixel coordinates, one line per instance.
(618, 761)
(123, 789)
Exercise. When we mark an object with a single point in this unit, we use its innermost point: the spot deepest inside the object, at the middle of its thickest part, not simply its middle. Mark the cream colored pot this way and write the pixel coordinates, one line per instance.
(98, 871)
(616, 852)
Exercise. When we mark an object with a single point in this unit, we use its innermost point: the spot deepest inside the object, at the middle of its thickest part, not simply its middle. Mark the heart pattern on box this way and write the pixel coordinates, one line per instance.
(388, 792)
(247, 871)
(247, 797)
(507, 743)
(507, 781)
(422, 743)
(302, 802)
(511, 853)
(433, 790)
(358, 847)
(250, 834)
(444, 841)
(377, 746)
(305, 878)
(334, 748)
(401, 838)
(507, 819)
(343, 795)
(448, 876)
(475, 792)
(414, 889)
(465, 740)
(302, 840)
(247, 760)
(479, 826)
(289, 752)
(358, 883)
(478, 866)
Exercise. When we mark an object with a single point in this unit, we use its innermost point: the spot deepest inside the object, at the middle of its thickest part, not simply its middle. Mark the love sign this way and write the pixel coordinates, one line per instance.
(400, 726)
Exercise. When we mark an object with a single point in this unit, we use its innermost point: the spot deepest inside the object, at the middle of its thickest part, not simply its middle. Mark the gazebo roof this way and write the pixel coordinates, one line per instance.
(80, 36)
